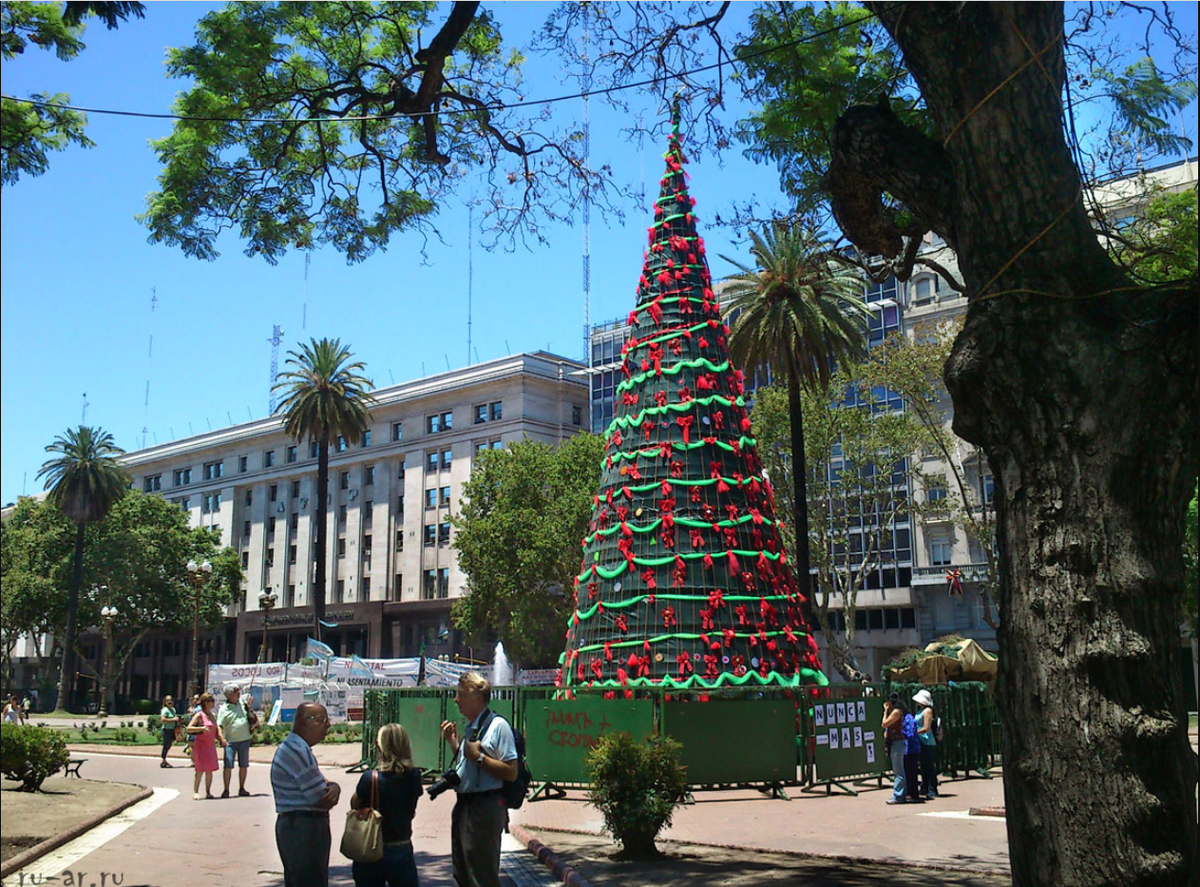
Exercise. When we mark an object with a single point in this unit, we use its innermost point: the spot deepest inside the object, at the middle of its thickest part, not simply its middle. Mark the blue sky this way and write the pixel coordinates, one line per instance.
(76, 274)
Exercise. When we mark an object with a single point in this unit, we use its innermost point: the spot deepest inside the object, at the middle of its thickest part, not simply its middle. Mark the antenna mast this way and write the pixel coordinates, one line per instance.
(587, 193)
(304, 315)
(275, 340)
(470, 269)
(149, 359)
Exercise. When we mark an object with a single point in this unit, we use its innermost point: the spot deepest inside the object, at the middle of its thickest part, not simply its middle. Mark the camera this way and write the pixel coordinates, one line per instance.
(448, 780)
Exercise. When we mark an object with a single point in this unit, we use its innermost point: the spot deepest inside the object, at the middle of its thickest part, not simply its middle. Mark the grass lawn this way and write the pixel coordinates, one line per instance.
(108, 736)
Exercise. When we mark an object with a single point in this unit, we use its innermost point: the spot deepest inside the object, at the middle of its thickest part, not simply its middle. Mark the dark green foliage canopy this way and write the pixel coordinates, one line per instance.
(325, 395)
(86, 479)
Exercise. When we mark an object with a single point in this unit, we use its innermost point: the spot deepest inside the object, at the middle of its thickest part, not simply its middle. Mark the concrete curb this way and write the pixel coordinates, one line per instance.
(36, 852)
(986, 811)
(834, 857)
(565, 873)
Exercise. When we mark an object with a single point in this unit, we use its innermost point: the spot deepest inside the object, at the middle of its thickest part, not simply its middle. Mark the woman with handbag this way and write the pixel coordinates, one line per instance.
(392, 791)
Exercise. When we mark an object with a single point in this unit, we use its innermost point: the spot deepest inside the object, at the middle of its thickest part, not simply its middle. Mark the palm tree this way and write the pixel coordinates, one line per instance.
(85, 481)
(325, 399)
(797, 313)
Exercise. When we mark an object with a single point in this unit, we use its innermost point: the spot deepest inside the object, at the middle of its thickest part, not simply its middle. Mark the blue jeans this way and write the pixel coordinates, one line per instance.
(398, 868)
(929, 783)
(900, 786)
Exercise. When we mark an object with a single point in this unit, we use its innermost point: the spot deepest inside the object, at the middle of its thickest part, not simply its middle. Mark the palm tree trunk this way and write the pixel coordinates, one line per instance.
(800, 494)
(318, 587)
(66, 677)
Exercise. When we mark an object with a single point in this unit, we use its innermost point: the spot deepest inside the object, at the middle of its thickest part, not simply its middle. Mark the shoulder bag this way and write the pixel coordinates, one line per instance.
(363, 839)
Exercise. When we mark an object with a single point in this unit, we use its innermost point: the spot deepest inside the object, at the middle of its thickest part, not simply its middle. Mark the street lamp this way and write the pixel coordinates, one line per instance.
(266, 600)
(198, 573)
(108, 614)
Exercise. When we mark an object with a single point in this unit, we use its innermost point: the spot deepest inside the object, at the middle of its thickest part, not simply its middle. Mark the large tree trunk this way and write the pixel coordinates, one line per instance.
(321, 515)
(66, 678)
(800, 495)
(1080, 385)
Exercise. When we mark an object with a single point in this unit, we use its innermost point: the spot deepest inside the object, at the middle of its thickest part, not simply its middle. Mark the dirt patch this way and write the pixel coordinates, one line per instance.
(702, 865)
(31, 817)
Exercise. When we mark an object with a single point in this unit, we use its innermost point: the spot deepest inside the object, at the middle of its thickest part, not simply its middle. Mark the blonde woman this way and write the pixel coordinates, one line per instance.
(398, 791)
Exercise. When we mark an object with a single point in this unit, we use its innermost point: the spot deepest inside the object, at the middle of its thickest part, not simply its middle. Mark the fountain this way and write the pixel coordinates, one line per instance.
(502, 673)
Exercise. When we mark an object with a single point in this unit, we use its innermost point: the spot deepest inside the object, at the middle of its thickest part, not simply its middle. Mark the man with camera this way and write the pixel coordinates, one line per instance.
(482, 763)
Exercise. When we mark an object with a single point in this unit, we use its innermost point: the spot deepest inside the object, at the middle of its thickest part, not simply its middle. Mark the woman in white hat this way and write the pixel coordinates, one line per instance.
(927, 733)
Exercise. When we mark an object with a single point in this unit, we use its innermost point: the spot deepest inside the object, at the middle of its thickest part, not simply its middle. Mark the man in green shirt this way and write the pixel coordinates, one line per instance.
(234, 721)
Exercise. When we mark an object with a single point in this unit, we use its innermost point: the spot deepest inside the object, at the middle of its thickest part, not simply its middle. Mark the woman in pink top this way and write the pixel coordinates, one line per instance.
(204, 750)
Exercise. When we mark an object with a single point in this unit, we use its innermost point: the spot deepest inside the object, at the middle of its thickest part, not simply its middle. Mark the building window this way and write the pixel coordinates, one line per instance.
(400, 507)
(431, 464)
(429, 586)
(399, 540)
(183, 477)
(444, 533)
(211, 503)
(403, 469)
(936, 495)
(398, 588)
(185, 503)
(365, 588)
(214, 470)
(430, 534)
(291, 454)
(341, 591)
(245, 529)
(989, 488)
(368, 514)
(273, 492)
(340, 444)
(922, 290)
(270, 557)
(342, 517)
(314, 449)
(366, 438)
(294, 522)
(576, 415)
(447, 457)
(344, 480)
(443, 582)
(290, 600)
(153, 483)
(369, 475)
(481, 413)
(940, 552)
(271, 527)
(397, 431)
(431, 498)
(439, 422)
(341, 548)
(245, 560)
(497, 410)
(268, 458)
(444, 497)
(243, 464)
(292, 554)
(367, 546)
(295, 489)
(248, 498)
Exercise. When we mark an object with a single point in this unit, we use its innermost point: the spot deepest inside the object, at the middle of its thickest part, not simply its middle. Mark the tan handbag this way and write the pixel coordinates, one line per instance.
(362, 841)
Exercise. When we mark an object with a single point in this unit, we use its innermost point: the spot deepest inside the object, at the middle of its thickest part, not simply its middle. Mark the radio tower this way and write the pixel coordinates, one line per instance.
(275, 340)
(587, 194)
(149, 358)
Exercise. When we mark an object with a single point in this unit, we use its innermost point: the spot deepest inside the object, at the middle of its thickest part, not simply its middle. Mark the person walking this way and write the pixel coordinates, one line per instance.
(483, 762)
(234, 721)
(168, 720)
(397, 788)
(13, 713)
(893, 738)
(303, 799)
(927, 734)
(204, 750)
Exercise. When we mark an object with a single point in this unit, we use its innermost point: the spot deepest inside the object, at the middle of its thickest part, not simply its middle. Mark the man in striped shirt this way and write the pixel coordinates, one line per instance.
(303, 798)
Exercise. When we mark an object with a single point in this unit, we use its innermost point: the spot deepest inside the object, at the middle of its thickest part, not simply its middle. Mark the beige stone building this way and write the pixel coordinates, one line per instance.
(392, 575)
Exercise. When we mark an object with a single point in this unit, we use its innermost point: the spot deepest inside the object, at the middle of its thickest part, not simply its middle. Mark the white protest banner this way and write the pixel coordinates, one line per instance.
(536, 677)
(439, 673)
(258, 672)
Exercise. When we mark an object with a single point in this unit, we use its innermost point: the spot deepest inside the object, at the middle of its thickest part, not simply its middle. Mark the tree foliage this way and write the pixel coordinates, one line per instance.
(31, 130)
(525, 508)
(345, 123)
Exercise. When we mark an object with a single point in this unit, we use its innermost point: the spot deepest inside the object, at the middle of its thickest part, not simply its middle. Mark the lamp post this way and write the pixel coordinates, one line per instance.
(266, 601)
(198, 573)
(107, 614)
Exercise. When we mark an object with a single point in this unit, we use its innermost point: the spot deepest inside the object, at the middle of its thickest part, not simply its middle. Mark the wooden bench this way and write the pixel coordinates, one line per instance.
(71, 768)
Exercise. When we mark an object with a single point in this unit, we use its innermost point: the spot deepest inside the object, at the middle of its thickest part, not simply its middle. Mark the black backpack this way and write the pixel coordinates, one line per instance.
(515, 790)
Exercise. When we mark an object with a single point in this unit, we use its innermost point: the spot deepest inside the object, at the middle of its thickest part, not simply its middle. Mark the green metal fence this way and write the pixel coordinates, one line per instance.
(970, 742)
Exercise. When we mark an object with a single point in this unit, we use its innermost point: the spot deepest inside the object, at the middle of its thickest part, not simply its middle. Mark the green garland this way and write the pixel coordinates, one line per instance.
(663, 561)
(682, 521)
(584, 615)
(637, 419)
(773, 677)
(679, 367)
(655, 452)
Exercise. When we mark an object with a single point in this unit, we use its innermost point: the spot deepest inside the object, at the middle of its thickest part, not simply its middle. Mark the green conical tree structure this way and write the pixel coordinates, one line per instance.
(685, 581)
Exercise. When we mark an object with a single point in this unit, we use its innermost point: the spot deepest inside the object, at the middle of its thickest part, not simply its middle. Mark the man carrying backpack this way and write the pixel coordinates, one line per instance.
(484, 761)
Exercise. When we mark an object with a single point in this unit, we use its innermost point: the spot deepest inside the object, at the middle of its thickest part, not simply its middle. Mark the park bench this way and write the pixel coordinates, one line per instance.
(71, 768)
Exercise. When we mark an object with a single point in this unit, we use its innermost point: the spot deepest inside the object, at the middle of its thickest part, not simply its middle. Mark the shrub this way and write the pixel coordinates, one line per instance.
(30, 754)
(153, 724)
(125, 734)
(636, 786)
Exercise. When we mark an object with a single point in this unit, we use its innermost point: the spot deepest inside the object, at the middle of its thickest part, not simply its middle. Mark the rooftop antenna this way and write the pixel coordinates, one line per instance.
(83, 418)
(149, 359)
(587, 195)
(470, 269)
(275, 340)
(390, 376)
(304, 315)
(447, 357)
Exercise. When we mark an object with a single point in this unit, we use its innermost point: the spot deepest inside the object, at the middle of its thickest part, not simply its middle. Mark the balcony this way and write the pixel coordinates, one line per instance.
(937, 575)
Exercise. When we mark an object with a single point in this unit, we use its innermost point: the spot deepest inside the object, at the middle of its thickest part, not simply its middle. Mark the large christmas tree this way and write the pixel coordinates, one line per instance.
(684, 582)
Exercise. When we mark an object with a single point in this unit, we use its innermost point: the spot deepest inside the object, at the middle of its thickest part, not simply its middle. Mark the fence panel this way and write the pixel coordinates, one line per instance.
(560, 732)
(968, 713)
(421, 711)
(704, 730)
